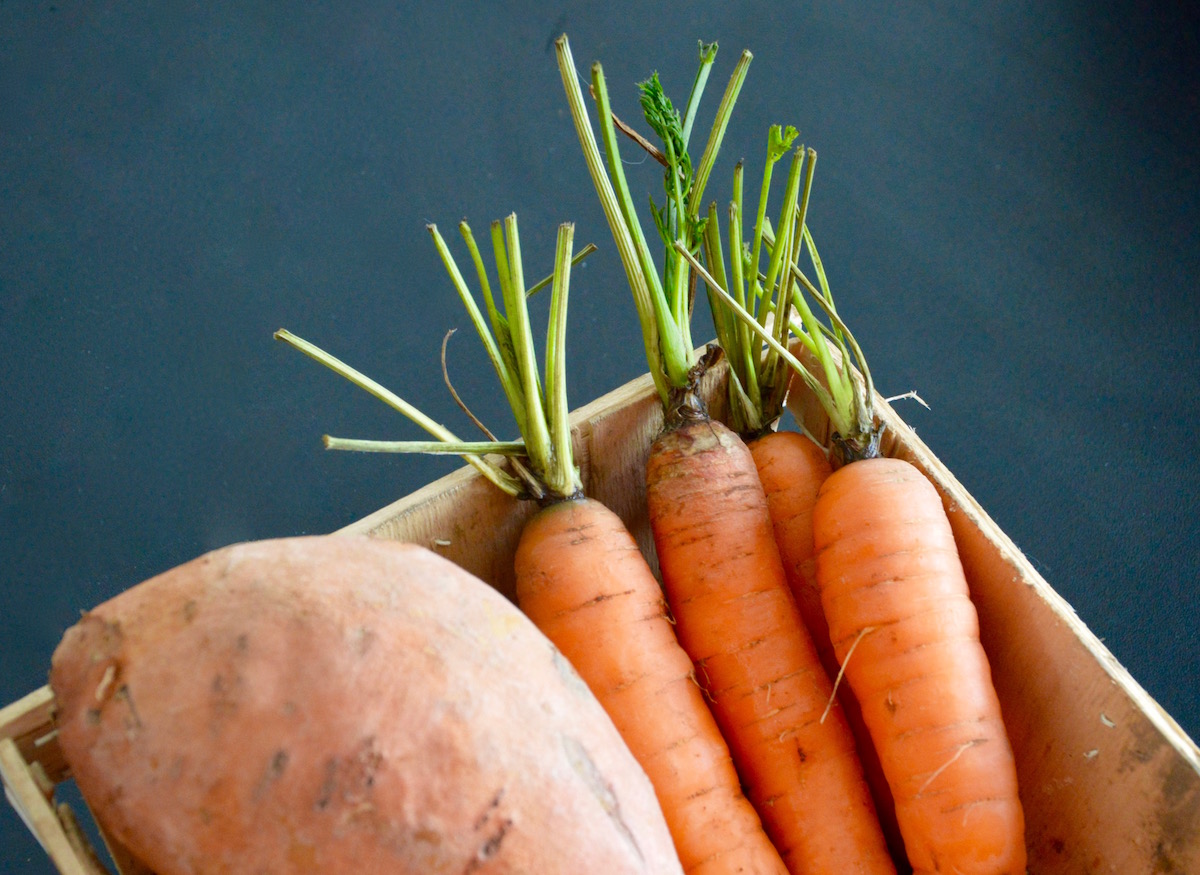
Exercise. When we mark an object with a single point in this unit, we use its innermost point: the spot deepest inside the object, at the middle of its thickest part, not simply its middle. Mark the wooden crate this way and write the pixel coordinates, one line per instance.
(1110, 783)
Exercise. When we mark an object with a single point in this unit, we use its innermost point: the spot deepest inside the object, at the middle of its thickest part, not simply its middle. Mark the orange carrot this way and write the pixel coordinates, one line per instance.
(790, 466)
(721, 570)
(738, 621)
(792, 469)
(893, 588)
(582, 580)
(902, 624)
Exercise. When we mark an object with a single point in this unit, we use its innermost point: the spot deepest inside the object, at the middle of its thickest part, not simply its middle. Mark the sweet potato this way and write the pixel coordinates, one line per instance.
(343, 704)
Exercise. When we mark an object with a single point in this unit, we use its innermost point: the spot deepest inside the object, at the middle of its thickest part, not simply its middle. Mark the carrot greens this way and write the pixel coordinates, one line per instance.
(541, 464)
(757, 307)
(663, 300)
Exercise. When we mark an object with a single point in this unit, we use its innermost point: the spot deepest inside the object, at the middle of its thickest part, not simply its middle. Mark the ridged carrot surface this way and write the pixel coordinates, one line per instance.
(739, 622)
(893, 589)
(584, 583)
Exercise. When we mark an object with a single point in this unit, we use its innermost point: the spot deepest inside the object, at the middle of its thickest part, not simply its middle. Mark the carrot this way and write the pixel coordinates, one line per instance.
(792, 469)
(738, 621)
(582, 580)
(720, 566)
(891, 580)
(902, 624)
(790, 466)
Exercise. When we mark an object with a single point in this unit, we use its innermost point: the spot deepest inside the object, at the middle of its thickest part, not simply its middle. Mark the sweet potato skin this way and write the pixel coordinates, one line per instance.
(337, 703)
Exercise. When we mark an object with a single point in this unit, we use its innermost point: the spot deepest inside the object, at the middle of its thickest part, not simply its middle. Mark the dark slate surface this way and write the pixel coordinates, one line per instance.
(1005, 199)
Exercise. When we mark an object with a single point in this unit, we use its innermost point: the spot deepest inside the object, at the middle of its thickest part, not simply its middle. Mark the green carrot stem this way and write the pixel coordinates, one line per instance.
(434, 448)
(676, 277)
(501, 479)
(780, 252)
(501, 335)
(626, 249)
(737, 264)
(675, 352)
(708, 54)
(560, 475)
(499, 323)
(717, 134)
(549, 278)
(862, 399)
(724, 324)
(837, 416)
(502, 363)
(825, 293)
(536, 432)
(779, 140)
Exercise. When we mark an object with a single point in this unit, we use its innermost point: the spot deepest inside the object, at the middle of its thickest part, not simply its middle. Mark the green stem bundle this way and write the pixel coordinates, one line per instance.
(542, 460)
(663, 300)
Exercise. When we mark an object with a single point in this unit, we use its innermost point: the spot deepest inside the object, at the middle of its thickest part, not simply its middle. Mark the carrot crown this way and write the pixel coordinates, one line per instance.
(663, 300)
(541, 463)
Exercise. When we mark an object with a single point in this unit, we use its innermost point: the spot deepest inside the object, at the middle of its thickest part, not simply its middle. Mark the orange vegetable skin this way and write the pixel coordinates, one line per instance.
(583, 581)
(740, 624)
(792, 468)
(891, 579)
(337, 704)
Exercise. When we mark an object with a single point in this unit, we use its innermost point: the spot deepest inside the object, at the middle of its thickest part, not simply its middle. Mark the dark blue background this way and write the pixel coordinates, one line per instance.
(1006, 202)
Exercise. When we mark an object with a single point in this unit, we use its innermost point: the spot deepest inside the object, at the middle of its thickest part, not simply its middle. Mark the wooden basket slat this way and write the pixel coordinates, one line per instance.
(39, 815)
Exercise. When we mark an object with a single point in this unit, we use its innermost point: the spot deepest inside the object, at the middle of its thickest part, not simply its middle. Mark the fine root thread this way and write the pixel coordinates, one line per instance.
(962, 748)
(837, 682)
